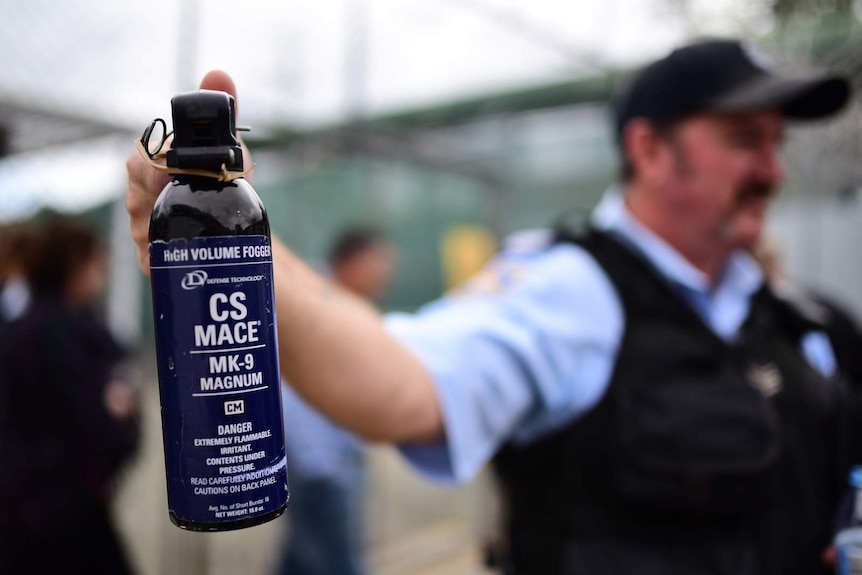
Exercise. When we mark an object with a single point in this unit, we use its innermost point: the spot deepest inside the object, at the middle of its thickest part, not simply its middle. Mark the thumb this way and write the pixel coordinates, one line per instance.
(219, 80)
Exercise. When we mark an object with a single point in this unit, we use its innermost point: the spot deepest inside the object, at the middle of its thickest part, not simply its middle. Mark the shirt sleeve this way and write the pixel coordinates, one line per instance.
(526, 347)
(316, 447)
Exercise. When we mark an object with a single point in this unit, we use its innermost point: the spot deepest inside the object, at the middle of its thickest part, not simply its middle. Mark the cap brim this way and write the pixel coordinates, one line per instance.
(800, 98)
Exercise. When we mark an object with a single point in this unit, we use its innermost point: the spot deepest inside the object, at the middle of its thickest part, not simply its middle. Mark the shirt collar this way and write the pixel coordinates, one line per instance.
(742, 273)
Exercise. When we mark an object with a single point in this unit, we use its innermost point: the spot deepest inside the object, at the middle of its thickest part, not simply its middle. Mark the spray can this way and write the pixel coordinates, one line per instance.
(212, 286)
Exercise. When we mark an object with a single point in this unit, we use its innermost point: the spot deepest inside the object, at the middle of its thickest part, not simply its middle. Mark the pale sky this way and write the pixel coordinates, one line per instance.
(124, 60)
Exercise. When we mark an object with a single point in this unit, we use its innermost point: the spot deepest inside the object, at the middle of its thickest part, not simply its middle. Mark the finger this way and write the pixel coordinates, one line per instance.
(221, 80)
(829, 556)
(144, 186)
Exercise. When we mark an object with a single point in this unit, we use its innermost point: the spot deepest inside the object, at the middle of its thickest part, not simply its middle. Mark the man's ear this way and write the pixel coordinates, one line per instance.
(646, 150)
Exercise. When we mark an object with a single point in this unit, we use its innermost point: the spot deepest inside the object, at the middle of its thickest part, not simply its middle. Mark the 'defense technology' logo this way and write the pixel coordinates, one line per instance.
(194, 279)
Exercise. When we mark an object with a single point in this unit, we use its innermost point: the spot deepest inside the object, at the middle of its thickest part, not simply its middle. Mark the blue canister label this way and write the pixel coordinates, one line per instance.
(218, 377)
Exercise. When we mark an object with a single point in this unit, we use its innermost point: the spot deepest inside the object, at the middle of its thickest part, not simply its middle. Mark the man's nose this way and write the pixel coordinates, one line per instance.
(769, 165)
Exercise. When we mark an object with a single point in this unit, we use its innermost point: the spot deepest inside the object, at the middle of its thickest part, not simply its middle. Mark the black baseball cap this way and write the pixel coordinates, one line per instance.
(724, 76)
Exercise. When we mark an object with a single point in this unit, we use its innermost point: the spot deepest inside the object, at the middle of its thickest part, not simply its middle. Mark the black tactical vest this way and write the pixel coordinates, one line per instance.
(703, 457)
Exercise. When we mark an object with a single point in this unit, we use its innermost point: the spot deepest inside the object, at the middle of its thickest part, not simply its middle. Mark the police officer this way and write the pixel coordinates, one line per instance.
(652, 407)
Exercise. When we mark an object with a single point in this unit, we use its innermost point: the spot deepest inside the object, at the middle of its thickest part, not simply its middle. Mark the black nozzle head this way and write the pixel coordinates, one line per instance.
(204, 132)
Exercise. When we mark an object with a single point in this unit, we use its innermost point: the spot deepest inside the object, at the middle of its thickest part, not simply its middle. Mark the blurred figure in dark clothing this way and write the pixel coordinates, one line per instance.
(68, 422)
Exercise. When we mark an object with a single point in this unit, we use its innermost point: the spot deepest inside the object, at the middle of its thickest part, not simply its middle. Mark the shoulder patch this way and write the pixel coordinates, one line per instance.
(497, 277)
(527, 241)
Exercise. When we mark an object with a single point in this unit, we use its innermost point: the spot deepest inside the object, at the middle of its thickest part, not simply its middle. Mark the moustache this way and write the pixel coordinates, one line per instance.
(754, 190)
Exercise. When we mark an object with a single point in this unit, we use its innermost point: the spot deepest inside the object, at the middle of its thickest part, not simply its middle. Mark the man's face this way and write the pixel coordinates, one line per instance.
(369, 272)
(720, 173)
(89, 280)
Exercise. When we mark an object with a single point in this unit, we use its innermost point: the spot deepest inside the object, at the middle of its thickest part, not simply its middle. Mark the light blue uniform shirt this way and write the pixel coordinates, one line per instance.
(316, 447)
(529, 345)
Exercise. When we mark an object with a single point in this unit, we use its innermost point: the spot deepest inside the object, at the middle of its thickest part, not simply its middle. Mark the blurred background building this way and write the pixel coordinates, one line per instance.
(451, 123)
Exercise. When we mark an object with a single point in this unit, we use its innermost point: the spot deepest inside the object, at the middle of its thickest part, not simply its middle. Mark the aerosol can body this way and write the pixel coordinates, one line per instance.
(214, 312)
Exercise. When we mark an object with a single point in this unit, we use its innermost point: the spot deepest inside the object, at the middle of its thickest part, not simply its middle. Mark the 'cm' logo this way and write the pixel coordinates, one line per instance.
(234, 407)
(194, 279)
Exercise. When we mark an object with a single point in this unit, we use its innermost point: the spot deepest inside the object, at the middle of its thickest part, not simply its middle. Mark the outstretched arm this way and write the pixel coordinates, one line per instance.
(333, 347)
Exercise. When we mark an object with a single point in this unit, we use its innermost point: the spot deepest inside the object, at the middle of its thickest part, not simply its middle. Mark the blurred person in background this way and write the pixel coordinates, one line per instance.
(67, 419)
(15, 244)
(647, 405)
(327, 462)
